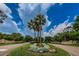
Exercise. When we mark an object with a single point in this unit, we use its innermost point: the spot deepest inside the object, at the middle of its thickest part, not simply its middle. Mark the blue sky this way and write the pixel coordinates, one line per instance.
(58, 16)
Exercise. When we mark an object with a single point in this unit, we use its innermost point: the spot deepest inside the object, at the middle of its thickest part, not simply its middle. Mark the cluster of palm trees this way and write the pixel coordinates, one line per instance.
(36, 24)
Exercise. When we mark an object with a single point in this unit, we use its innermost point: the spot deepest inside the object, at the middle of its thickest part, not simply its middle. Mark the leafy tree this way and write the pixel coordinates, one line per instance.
(16, 36)
(60, 37)
(76, 24)
(8, 37)
(28, 39)
(1, 36)
(48, 39)
(76, 28)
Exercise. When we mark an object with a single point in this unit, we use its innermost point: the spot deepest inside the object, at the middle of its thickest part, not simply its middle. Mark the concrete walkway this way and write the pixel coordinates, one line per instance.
(4, 50)
(74, 51)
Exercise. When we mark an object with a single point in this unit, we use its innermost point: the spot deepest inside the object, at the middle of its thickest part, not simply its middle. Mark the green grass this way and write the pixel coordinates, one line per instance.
(60, 52)
(23, 51)
(3, 44)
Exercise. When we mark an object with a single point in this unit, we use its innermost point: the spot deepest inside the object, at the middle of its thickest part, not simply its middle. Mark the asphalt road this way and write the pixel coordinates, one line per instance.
(4, 50)
(74, 51)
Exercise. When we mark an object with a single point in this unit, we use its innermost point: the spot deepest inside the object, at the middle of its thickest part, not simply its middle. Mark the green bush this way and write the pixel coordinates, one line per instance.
(28, 39)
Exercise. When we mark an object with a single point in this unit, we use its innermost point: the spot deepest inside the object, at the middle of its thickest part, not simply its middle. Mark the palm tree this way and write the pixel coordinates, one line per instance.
(39, 22)
(31, 26)
(3, 16)
(37, 25)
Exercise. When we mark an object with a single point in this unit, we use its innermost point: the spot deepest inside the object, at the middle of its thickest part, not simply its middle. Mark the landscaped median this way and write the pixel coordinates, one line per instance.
(24, 51)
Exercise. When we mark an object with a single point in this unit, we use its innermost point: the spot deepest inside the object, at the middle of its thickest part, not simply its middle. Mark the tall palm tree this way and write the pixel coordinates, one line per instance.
(37, 25)
(3, 16)
(39, 21)
(31, 26)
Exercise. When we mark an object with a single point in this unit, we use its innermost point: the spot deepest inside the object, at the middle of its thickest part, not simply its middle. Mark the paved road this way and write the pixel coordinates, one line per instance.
(74, 51)
(4, 50)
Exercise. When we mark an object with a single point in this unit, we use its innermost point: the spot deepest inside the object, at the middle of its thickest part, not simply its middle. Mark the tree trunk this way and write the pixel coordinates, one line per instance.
(40, 37)
(34, 35)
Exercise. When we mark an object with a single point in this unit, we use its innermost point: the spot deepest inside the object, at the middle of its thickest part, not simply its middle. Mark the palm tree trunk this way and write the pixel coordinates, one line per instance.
(34, 35)
(40, 37)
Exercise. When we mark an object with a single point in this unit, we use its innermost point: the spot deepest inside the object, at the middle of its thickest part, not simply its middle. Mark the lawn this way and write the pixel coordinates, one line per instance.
(3, 44)
(24, 51)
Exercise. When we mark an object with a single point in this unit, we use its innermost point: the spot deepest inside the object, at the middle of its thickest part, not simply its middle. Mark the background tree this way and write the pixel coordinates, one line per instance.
(17, 36)
(1, 36)
(28, 39)
(48, 39)
(76, 29)
(76, 24)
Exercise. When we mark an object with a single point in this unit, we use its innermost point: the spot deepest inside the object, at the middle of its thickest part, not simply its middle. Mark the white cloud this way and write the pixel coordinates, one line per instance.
(9, 26)
(60, 4)
(45, 7)
(5, 9)
(58, 29)
(46, 34)
(29, 11)
(19, 23)
(30, 6)
(45, 26)
(75, 17)
(47, 21)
